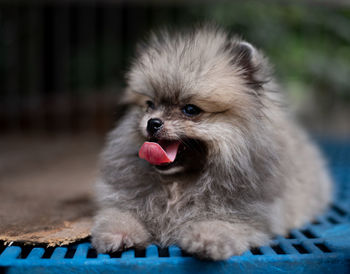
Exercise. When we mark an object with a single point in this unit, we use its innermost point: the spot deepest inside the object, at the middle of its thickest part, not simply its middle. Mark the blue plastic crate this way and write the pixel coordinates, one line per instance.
(322, 246)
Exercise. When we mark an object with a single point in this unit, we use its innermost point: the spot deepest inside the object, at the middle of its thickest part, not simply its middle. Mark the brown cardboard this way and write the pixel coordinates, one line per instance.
(46, 188)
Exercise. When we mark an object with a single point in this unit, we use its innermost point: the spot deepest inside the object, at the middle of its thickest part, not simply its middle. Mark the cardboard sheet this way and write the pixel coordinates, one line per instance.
(46, 188)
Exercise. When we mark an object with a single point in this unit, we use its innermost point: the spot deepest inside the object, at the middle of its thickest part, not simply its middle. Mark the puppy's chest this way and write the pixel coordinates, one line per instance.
(173, 201)
(170, 207)
(174, 193)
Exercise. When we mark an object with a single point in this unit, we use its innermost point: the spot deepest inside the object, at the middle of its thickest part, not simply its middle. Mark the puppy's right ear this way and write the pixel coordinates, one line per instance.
(133, 98)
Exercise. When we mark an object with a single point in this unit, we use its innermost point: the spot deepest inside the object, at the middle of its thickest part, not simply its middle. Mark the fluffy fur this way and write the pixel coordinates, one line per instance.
(251, 173)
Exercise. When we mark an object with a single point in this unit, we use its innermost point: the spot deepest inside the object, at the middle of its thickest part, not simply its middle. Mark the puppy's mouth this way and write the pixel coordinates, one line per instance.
(173, 156)
(161, 153)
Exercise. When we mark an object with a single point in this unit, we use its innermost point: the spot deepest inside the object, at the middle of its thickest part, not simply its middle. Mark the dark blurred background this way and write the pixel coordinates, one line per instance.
(62, 62)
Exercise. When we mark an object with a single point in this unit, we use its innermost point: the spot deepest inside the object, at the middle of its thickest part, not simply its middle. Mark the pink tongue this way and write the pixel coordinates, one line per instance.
(156, 155)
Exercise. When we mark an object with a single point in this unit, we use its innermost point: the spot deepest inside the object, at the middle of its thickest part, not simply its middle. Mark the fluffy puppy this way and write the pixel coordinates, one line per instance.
(207, 157)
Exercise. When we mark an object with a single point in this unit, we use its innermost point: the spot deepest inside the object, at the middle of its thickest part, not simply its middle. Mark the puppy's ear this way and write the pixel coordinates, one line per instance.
(252, 65)
(133, 98)
(129, 97)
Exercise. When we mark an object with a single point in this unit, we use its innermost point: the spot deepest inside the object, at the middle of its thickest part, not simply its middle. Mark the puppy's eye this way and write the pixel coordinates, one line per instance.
(150, 104)
(191, 110)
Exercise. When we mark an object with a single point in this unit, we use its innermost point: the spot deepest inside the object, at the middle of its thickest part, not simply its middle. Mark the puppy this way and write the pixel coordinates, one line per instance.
(207, 157)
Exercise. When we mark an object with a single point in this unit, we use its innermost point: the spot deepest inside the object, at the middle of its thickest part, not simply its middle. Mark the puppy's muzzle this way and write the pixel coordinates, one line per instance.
(153, 126)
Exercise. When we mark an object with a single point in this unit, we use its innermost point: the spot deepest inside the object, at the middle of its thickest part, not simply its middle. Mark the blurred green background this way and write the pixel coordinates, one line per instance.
(62, 63)
(309, 44)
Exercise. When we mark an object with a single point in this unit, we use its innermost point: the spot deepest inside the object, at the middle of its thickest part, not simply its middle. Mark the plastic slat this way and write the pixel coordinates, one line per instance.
(288, 248)
(174, 251)
(345, 205)
(11, 252)
(103, 256)
(309, 246)
(59, 253)
(248, 253)
(317, 221)
(81, 251)
(298, 234)
(266, 250)
(151, 251)
(128, 254)
(335, 219)
(314, 231)
(36, 253)
(324, 221)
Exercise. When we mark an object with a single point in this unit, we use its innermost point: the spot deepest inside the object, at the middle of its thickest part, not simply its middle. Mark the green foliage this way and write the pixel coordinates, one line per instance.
(308, 44)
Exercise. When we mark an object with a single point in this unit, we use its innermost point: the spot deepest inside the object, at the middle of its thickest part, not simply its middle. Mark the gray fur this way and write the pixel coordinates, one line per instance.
(260, 175)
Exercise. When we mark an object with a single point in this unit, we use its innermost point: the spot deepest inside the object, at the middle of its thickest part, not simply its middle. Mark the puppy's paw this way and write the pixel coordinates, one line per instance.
(114, 231)
(110, 242)
(218, 240)
(209, 245)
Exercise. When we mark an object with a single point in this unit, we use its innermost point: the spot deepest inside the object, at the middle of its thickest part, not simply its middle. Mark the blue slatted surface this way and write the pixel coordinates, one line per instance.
(323, 245)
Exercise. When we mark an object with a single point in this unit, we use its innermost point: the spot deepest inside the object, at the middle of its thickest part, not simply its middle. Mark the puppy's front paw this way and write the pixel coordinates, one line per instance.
(208, 244)
(218, 240)
(109, 242)
(114, 230)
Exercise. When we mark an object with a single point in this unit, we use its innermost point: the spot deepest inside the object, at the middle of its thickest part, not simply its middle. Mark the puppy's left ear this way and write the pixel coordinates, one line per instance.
(251, 63)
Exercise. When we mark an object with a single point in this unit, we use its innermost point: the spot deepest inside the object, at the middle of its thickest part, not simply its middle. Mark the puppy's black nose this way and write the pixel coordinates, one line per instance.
(154, 125)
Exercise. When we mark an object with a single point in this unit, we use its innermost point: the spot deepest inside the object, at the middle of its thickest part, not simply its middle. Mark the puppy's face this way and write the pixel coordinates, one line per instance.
(196, 93)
